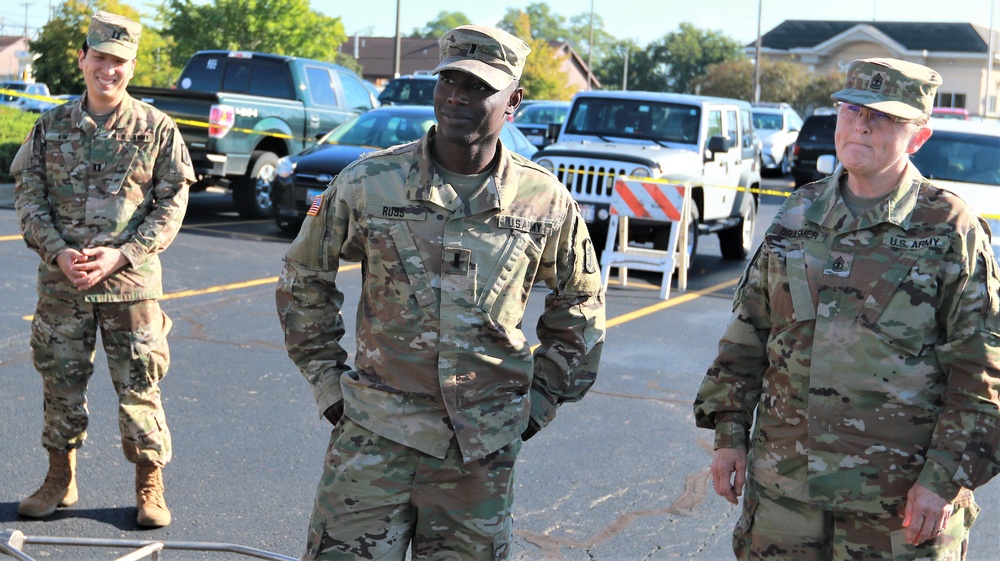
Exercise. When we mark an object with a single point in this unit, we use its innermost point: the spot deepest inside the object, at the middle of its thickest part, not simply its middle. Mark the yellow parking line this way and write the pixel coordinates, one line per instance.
(11, 238)
(220, 288)
(233, 222)
(225, 287)
(680, 299)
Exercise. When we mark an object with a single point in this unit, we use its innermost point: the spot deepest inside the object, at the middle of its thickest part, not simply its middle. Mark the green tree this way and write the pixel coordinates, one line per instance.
(61, 38)
(731, 78)
(780, 81)
(542, 77)
(552, 27)
(543, 23)
(610, 69)
(579, 36)
(688, 52)
(287, 27)
(444, 22)
(817, 92)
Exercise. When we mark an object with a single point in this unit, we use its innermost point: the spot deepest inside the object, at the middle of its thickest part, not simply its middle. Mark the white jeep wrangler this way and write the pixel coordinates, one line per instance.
(704, 141)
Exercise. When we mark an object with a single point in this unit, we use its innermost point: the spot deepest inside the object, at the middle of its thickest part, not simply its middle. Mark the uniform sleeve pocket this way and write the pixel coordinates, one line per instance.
(991, 307)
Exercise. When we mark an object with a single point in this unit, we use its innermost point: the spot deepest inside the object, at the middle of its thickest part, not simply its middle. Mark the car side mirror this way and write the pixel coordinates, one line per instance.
(826, 163)
(716, 144)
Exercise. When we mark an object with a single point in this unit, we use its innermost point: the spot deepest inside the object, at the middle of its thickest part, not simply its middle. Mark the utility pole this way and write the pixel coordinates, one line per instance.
(26, 6)
(590, 50)
(625, 70)
(991, 89)
(756, 61)
(395, 70)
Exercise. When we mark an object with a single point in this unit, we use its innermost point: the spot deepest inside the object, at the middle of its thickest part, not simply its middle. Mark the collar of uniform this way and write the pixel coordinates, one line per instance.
(122, 117)
(830, 211)
(423, 184)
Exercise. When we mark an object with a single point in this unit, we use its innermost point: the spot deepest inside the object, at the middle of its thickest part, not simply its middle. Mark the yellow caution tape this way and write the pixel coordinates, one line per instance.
(756, 190)
(187, 122)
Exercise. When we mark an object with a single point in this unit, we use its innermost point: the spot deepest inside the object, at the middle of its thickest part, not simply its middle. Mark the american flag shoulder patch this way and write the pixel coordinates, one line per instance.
(317, 204)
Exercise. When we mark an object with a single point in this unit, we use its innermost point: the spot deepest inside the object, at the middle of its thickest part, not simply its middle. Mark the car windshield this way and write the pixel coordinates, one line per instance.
(955, 156)
(14, 87)
(380, 129)
(542, 114)
(767, 121)
(633, 118)
(405, 91)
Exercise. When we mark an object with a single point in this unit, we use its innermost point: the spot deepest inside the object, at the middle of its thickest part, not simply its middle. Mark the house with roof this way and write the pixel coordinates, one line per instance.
(960, 52)
(377, 57)
(14, 56)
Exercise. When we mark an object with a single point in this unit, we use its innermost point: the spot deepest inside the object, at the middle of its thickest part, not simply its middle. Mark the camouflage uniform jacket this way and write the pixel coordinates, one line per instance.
(870, 348)
(445, 281)
(124, 185)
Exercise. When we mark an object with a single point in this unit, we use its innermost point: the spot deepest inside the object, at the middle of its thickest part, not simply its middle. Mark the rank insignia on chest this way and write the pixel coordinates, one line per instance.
(839, 265)
(457, 261)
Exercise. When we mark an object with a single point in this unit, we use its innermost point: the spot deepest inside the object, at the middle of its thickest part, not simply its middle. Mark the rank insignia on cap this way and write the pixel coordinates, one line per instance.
(876, 83)
(317, 204)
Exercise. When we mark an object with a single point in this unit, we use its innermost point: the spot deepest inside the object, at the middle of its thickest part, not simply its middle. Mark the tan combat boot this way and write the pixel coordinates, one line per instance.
(149, 499)
(59, 488)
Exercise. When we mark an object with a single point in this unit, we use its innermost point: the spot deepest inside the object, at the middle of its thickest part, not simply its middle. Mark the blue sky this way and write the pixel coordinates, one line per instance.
(647, 20)
(642, 20)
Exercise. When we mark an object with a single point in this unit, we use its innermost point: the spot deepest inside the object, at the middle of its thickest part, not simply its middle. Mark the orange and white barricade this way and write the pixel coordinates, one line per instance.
(656, 201)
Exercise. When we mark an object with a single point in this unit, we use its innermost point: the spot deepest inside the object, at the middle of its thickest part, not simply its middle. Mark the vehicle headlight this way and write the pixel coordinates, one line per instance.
(285, 167)
(547, 164)
(639, 172)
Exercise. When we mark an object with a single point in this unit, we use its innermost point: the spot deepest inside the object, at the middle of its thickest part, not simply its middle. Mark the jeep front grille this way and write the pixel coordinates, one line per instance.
(591, 181)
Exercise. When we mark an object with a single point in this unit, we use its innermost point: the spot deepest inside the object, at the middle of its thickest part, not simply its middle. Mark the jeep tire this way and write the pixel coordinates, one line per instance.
(736, 242)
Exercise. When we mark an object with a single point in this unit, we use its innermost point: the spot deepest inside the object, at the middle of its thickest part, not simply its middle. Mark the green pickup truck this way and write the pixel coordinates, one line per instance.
(240, 111)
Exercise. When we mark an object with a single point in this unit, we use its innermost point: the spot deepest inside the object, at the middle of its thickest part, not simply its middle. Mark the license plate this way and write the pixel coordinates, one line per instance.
(311, 194)
(587, 211)
(536, 139)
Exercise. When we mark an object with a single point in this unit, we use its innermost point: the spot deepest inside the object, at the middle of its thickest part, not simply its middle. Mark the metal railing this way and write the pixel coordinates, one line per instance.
(12, 544)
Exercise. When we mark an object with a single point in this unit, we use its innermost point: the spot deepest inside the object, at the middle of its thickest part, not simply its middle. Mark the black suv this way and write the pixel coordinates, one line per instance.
(417, 89)
(815, 139)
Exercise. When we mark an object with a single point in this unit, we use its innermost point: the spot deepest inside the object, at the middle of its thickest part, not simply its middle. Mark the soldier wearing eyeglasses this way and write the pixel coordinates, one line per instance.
(854, 398)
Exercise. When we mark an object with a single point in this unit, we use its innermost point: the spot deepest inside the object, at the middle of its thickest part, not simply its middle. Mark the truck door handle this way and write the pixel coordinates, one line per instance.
(314, 118)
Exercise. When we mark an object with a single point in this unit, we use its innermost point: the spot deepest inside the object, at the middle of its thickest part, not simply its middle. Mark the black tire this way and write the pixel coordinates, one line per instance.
(661, 236)
(599, 237)
(736, 242)
(252, 192)
(786, 164)
(288, 225)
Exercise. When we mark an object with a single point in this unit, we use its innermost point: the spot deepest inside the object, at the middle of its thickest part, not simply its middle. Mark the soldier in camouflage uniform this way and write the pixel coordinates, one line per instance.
(864, 350)
(452, 232)
(101, 189)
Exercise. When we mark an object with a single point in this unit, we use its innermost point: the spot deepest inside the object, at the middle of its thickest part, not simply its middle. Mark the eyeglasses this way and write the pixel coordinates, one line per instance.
(876, 118)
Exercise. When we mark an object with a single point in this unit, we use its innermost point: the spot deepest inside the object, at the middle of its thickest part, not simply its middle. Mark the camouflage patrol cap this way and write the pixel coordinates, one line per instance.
(492, 55)
(900, 88)
(114, 34)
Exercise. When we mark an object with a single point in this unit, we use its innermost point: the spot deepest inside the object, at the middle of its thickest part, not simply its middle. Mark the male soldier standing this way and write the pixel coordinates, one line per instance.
(452, 232)
(101, 189)
(863, 351)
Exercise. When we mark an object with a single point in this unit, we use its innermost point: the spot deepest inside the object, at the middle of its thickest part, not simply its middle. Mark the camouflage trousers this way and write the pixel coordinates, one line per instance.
(63, 341)
(777, 528)
(376, 498)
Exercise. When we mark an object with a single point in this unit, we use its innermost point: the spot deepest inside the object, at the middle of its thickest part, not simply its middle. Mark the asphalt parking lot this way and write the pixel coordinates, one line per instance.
(620, 476)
